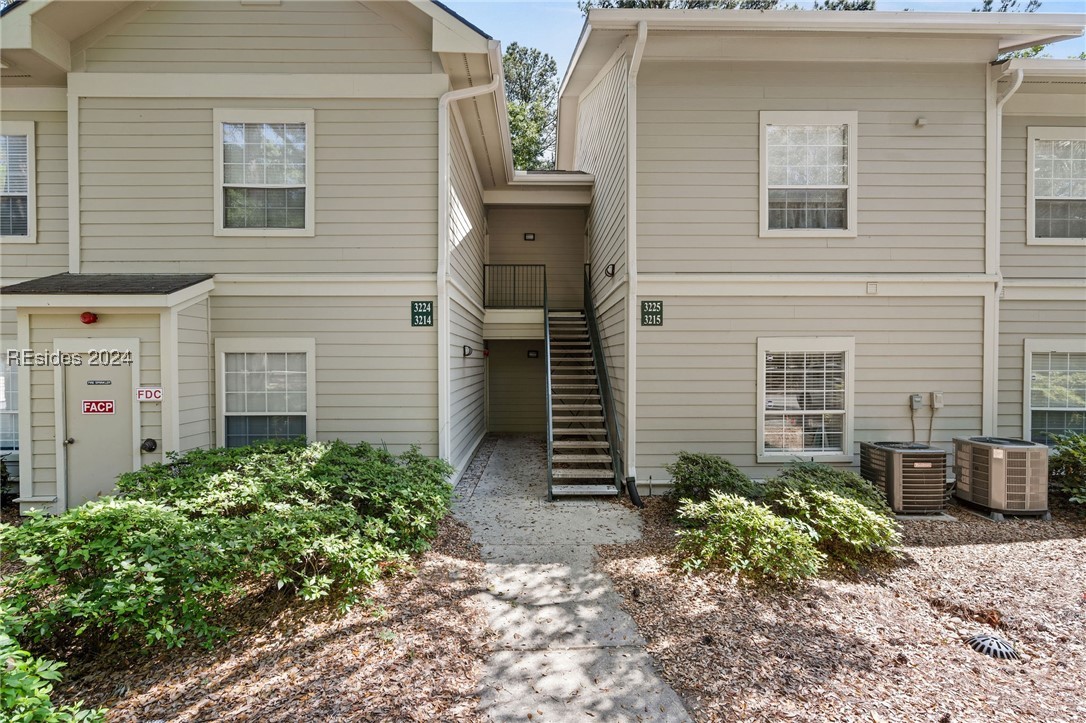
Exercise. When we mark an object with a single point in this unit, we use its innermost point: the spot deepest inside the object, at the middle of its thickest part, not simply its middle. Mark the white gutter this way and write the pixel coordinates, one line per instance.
(632, 316)
(993, 240)
(444, 361)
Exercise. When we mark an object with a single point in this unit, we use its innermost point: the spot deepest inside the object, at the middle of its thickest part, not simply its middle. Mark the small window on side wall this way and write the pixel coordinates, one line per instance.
(808, 173)
(266, 390)
(264, 174)
(1056, 186)
(18, 212)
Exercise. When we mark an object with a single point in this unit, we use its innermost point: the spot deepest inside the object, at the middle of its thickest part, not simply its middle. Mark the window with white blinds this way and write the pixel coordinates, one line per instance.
(17, 211)
(1055, 389)
(1056, 203)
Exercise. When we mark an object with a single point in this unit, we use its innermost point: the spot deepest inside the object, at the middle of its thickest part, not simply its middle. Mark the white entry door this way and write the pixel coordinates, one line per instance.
(98, 437)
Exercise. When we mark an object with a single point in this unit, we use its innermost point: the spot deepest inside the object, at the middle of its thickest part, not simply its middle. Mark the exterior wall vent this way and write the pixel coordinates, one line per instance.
(913, 476)
(1002, 475)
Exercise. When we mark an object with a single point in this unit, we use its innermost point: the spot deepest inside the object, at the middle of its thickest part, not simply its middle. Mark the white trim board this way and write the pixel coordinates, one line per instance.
(816, 285)
(1044, 290)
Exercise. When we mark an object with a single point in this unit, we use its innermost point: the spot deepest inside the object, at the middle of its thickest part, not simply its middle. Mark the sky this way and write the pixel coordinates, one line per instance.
(554, 26)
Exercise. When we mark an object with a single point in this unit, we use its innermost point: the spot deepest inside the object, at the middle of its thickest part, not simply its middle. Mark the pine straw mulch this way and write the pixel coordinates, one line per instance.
(415, 653)
(874, 645)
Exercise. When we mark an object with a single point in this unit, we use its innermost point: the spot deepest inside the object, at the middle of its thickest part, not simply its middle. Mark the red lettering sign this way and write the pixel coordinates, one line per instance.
(98, 406)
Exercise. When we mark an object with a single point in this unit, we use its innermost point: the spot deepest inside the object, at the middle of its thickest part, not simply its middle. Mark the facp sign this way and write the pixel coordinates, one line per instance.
(149, 394)
(99, 406)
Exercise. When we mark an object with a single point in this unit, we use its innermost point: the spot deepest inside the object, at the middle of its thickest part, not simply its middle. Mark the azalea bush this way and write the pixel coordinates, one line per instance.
(26, 682)
(695, 476)
(735, 534)
(1067, 466)
(184, 539)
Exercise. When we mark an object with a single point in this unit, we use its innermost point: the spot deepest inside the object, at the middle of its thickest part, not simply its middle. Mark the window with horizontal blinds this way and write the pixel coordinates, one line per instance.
(1059, 188)
(808, 176)
(264, 175)
(14, 185)
(1057, 394)
(266, 396)
(9, 406)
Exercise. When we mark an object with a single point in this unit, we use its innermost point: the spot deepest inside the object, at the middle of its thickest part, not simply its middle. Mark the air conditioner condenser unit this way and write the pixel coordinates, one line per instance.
(911, 475)
(1004, 476)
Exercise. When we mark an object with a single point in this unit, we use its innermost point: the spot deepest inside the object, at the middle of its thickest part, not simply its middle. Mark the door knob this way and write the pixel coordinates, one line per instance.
(69, 440)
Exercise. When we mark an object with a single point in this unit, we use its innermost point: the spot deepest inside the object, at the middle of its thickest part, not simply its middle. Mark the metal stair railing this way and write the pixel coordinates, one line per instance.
(614, 431)
(550, 401)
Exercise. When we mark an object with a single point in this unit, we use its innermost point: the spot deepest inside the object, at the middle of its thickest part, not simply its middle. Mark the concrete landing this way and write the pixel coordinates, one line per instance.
(565, 651)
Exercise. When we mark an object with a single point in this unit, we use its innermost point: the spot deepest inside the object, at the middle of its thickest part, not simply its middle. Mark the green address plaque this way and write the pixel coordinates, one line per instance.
(422, 313)
(652, 313)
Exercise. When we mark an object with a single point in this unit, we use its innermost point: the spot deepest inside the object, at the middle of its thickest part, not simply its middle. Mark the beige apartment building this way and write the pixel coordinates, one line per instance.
(233, 221)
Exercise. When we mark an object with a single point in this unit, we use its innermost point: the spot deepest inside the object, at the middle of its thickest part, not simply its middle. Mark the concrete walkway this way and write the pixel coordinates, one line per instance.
(565, 652)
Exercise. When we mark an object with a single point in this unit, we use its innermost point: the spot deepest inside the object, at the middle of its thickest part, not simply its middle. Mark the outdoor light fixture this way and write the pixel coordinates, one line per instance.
(88, 317)
(529, 237)
(609, 271)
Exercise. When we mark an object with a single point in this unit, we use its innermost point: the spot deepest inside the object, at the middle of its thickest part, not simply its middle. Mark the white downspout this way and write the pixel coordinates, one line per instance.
(632, 317)
(993, 262)
(444, 335)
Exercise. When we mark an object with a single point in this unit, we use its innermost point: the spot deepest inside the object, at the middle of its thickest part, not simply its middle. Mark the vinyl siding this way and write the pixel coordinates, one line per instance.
(601, 151)
(148, 182)
(559, 244)
(44, 329)
(1016, 258)
(697, 375)
(517, 402)
(23, 261)
(920, 195)
(195, 398)
(295, 37)
(1021, 320)
(376, 376)
(467, 382)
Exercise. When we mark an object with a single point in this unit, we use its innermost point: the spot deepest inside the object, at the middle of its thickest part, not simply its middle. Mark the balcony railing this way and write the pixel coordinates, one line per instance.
(514, 286)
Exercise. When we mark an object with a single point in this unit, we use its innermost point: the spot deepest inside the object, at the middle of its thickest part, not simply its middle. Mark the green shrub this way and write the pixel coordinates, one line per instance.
(1067, 467)
(189, 536)
(746, 538)
(842, 481)
(26, 682)
(847, 517)
(696, 475)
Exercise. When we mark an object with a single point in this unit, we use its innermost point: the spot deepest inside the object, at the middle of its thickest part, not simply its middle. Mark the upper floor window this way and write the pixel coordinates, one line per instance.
(805, 398)
(264, 172)
(1056, 186)
(808, 173)
(17, 198)
(1055, 388)
(9, 406)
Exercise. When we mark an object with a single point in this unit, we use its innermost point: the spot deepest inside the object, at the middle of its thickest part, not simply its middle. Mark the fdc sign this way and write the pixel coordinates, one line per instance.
(149, 394)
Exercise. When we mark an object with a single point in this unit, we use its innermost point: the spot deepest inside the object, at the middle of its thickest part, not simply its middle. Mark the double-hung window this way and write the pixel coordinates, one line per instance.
(1055, 388)
(1056, 186)
(805, 398)
(264, 173)
(808, 173)
(18, 214)
(266, 390)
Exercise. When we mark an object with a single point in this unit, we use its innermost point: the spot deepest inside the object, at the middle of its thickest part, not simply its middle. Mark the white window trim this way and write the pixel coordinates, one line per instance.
(845, 344)
(848, 118)
(1030, 347)
(1045, 133)
(236, 345)
(13, 412)
(26, 128)
(261, 115)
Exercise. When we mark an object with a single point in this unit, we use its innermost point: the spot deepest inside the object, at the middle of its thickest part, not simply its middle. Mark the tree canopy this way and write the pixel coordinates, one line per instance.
(531, 93)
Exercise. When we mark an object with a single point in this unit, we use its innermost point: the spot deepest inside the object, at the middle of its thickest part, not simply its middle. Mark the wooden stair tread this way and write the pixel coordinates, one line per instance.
(596, 431)
(582, 458)
(579, 444)
(584, 490)
(582, 474)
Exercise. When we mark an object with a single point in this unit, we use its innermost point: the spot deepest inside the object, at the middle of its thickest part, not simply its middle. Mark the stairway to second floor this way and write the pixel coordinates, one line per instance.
(581, 461)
